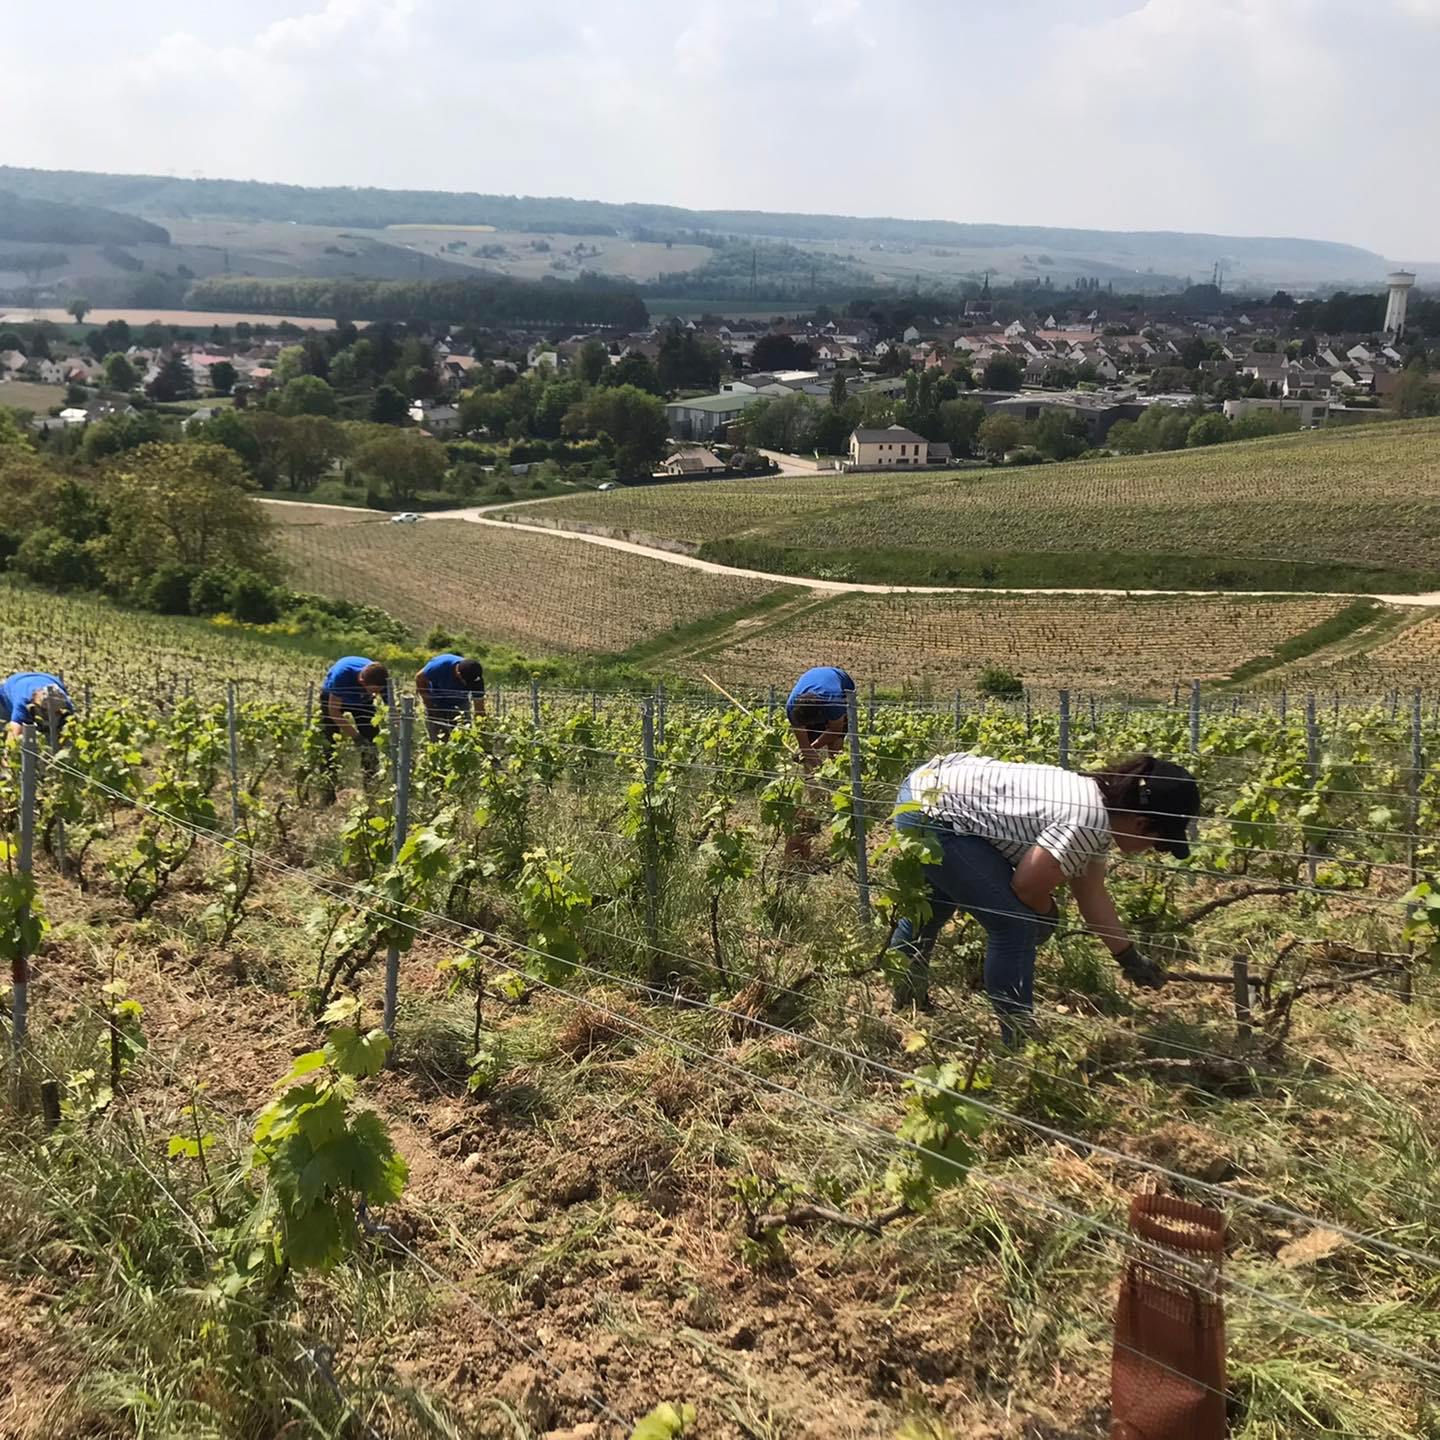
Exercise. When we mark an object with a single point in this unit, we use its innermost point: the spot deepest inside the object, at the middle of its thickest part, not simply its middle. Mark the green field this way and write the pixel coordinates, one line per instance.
(27, 395)
(1342, 509)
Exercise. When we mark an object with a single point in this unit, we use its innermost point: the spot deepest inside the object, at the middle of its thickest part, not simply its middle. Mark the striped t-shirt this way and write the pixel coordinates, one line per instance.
(1015, 806)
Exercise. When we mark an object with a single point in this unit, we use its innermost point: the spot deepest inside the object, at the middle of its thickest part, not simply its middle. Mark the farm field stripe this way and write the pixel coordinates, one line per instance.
(858, 587)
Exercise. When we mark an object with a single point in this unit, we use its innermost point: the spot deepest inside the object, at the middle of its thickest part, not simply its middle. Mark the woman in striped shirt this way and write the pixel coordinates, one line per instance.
(1009, 835)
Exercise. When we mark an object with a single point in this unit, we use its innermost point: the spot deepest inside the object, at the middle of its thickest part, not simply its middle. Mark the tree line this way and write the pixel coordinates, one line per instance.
(548, 303)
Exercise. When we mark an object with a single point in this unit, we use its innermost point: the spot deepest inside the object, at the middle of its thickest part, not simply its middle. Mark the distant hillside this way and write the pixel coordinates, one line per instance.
(896, 247)
(51, 222)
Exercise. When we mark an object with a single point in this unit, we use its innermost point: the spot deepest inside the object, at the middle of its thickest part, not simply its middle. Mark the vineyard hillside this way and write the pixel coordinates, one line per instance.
(939, 643)
(563, 596)
(518, 1079)
(530, 591)
(1343, 509)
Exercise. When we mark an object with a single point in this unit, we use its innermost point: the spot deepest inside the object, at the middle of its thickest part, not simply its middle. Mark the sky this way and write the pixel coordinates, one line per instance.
(1241, 117)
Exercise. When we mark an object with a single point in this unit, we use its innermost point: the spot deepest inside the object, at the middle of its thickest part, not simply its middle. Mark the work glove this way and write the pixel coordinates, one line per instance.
(1139, 969)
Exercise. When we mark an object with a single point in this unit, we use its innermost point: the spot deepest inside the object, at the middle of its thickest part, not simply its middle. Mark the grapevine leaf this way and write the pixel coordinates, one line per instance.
(340, 1010)
(353, 1054)
(664, 1422)
(314, 1239)
(304, 1065)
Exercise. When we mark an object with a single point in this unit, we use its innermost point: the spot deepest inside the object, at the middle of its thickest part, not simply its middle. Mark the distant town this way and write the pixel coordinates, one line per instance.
(895, 383)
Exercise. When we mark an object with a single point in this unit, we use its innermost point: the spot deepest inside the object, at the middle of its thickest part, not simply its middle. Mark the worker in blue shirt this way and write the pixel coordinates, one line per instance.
(818, 712)
(347, 707)
(31, 697)
(448, 685)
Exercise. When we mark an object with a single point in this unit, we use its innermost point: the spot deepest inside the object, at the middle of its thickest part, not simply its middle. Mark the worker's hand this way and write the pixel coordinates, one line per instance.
(1139, 969)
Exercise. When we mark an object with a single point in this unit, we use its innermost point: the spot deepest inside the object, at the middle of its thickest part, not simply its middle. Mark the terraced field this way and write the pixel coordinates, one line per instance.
(1341, 509)
(1406, 656)
(1136, 645)
(543, 595)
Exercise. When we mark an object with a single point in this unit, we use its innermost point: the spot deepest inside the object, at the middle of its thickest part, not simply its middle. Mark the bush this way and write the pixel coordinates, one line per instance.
(209, 592)
(167, 589)
(50, 558)
(1026, 455)
(253, 599)
(440, 640)
(1000, 683)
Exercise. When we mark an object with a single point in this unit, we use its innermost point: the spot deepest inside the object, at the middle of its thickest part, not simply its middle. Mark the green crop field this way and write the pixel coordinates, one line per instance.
(130, 653)
(1340, 509)
(28, 395)
(544, 595)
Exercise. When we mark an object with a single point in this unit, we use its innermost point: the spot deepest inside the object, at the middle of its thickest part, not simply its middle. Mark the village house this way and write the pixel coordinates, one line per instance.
(693, 461)
(437, 419)
(893, 446)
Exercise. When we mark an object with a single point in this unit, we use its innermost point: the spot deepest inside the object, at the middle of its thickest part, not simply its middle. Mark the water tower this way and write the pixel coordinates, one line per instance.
(1399, 282)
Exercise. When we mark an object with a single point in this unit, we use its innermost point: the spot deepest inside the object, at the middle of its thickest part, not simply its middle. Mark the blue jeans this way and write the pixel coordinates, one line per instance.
(975, 877)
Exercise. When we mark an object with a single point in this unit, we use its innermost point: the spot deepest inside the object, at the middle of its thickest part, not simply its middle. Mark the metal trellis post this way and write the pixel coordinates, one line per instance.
(1312, 767)
(20, 965)
(652, 875)
(234, 756)
(857, 810)
(54, 721)
(1417, 763)
(401, 762)
(1194, 717)
(1064, 747)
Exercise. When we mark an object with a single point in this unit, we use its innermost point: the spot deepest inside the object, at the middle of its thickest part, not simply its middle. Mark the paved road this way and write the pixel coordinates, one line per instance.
(485, 515)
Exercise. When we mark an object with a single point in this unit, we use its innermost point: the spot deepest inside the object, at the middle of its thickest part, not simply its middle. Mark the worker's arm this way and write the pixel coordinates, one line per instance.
(477, 702)
(336, 711)
(810, 756)
(16, 730)
(1036, 878)
(1098, 909)
(422, 687)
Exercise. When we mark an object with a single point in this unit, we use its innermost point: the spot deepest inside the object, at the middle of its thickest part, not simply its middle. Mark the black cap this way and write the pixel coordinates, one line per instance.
(1168, 796)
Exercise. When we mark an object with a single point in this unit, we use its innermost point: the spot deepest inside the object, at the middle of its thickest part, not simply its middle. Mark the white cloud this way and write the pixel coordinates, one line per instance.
(1239, 116)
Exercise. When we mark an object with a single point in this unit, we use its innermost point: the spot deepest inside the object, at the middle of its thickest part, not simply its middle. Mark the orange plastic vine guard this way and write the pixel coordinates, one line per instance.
(1167, 1374)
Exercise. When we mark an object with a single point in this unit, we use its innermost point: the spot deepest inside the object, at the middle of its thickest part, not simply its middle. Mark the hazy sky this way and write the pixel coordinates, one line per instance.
(1279, 117)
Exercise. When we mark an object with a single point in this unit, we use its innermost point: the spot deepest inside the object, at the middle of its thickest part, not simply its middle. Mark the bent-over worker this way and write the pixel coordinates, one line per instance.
(818, 712)
(347, 707)
(31, 697)
(447, 684)
(1010, 835)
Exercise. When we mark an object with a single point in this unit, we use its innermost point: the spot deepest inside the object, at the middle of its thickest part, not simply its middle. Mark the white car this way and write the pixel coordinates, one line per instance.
(609, 485)
(405, 517)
